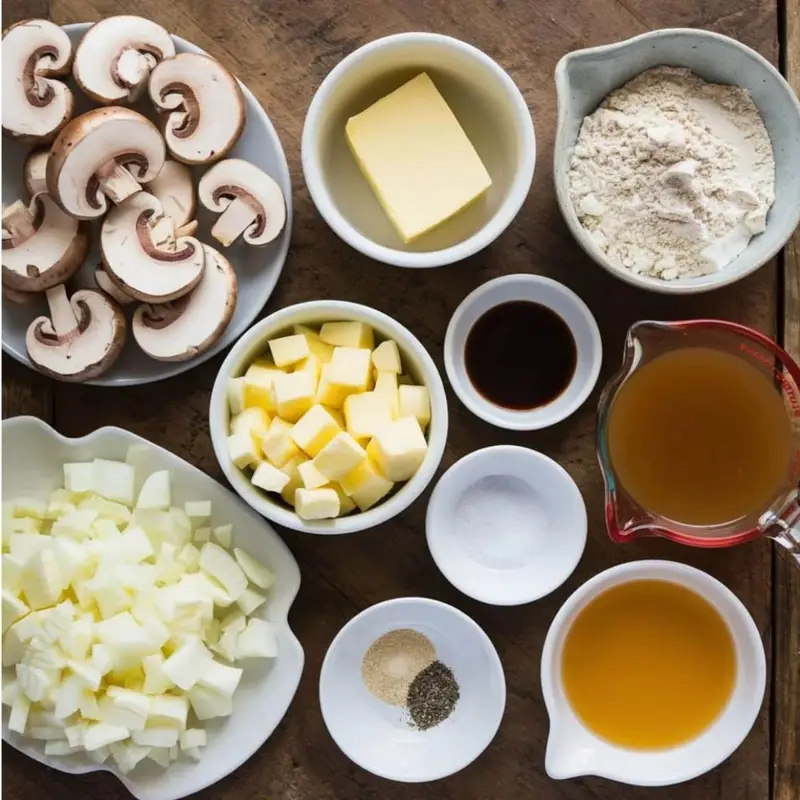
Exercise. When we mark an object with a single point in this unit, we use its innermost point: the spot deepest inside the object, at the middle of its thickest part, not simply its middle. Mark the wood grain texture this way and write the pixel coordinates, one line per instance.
(786, 636)
(283, 49)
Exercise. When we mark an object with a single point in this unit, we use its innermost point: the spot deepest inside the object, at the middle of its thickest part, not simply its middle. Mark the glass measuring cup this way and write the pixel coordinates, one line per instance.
(626, 519)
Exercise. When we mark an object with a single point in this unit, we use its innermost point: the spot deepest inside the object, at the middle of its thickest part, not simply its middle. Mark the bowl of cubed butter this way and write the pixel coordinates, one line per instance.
(328, 417)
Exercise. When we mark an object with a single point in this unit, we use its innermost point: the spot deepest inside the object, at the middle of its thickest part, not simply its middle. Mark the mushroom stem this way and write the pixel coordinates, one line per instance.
(116, 182)
(189, 229)
(163, 233)
(61, 313)
(133, 71)
(18, 223)
(233, 222)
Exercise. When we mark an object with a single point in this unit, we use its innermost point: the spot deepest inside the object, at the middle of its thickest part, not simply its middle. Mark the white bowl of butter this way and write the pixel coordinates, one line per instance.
(418, 150)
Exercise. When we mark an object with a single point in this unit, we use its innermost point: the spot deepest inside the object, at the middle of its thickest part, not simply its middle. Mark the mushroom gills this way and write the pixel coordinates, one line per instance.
(82, 337)
(189, 326)
(42, 246)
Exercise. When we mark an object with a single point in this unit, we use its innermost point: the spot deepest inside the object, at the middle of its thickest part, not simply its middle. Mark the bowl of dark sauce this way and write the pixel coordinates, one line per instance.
(522, 352)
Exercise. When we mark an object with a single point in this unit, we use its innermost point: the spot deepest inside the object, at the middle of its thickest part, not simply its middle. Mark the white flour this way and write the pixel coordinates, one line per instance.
(671, 175)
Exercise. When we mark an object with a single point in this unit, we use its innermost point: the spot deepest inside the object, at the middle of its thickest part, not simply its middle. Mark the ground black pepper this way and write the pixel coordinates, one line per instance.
(432, 696)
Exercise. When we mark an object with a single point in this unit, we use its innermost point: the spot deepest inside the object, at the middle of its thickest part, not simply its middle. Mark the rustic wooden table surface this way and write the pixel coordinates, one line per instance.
(282, 49)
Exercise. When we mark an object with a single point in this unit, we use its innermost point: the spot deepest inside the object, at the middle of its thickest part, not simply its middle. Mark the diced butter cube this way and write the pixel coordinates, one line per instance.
(258, 386)
(288, 350)
(417, 158)
(236, 395)
(350, 369)
(340, 456)
(316, 503)
(242, 449)
(337, 415)
(386, 357)
(415, 402)
(365, 414)
(277, 445)
(322, 350)
(291, 468)
(254, 420)
(328, 394)
(312, 365)
(314, 430)
(294, 394)
(269, 478)
(346, 504)
(366, 484)
(386, 385)
(399, 449)
(312, 478)
(347, 334)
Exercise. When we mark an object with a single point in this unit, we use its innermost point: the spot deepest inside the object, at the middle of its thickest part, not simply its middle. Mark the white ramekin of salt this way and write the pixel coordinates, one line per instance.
(506, 525)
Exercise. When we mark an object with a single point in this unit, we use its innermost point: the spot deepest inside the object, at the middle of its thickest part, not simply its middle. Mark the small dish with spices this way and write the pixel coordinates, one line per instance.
(522, 352)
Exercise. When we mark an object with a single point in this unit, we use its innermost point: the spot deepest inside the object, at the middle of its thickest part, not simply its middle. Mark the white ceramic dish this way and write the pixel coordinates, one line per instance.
(257, 268)
(486, 102)
(537, 289)
(585, 77)
(574, 751)
(377, 736)
(417, 363)
(267, 687)
(506, 525)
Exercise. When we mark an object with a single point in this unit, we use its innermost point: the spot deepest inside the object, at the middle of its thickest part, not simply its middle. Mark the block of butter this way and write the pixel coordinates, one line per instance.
(417, 158)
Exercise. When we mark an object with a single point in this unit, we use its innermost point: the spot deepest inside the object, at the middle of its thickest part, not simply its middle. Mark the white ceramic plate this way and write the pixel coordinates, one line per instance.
(34, 453)
(257, 268)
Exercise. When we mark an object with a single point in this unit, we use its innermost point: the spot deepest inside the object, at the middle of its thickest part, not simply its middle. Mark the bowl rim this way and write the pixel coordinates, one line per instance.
(406, 494)
(452, 482)
(283, 607)
(502, 218)
(496, 665)
(562, 148)
(538, 418)
(169, 369)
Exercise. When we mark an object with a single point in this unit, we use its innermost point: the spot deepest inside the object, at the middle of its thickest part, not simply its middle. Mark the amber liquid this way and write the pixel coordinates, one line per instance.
(700, 437)
(648, 664)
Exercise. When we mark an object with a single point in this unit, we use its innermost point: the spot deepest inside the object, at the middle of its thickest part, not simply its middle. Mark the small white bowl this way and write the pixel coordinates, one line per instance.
(376, 735)
(486, 102)
(416, 362)
(574, 751)
(506, 525)
(555, 296)
(585, 77)
(267, 686)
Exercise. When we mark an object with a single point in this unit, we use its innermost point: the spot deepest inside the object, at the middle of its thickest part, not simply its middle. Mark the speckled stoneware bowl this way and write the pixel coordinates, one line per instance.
(585, 77)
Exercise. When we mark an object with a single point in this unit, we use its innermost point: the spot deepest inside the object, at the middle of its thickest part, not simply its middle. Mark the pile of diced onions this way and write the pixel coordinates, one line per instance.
(123, 617)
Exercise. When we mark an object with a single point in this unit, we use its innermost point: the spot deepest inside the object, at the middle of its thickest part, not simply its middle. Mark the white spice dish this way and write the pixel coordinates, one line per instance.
(506, 525)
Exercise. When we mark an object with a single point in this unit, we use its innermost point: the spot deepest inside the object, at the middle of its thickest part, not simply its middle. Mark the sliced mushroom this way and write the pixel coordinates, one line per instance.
(82, 337)
(174, 188)
(206, 109)
(103, 155)
(34, 171)
(185, 328)
(114, 59)
(251, 202)
(42, 246)
(105, 284)
(143, 256)
(35, 106)
(17, 297)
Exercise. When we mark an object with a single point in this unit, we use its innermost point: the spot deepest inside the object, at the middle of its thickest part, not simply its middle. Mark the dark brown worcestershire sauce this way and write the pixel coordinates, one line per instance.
(520, 355)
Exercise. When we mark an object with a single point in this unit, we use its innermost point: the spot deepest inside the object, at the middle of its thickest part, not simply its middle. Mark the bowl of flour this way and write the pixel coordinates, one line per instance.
(677, 158)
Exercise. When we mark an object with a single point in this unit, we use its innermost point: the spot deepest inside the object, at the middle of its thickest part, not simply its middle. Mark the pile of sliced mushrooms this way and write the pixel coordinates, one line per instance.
(114, 167)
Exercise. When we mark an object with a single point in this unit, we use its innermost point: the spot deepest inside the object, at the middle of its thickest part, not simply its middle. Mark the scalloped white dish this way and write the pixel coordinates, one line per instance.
(33, 467)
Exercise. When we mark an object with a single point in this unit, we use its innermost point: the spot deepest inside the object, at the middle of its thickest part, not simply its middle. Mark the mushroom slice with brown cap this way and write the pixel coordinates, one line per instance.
(185, 328)
(251, 202)
(105, 284)
(174, 188)
(206, 109)
(143, 256)
(35, 106)
(82, 337)
(34, 171)
(114, 59)
(103, 155)
(42, 246)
